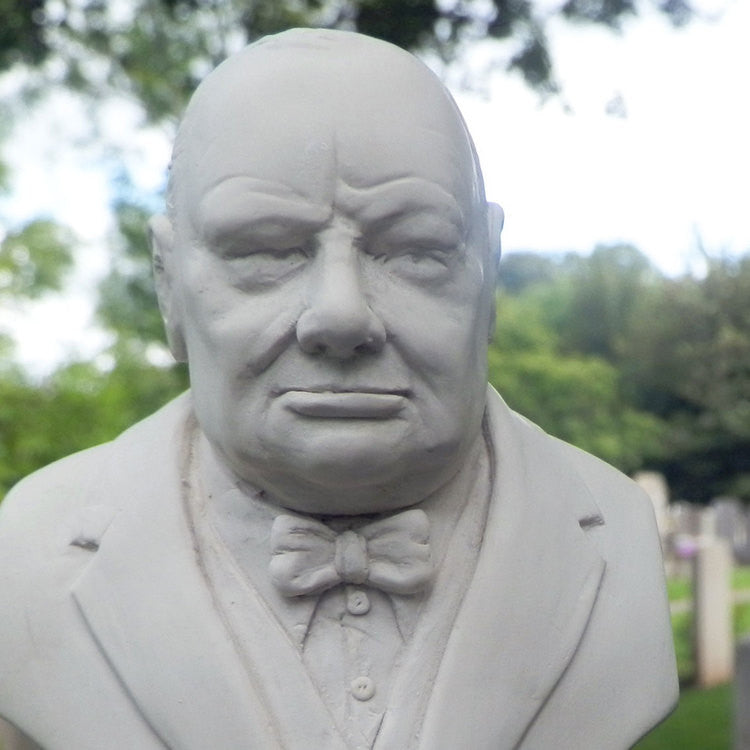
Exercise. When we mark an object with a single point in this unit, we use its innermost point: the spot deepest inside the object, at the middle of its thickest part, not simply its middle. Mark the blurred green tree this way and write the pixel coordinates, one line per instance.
(573, 394)
(157, 50)
(688, 361)
(78, 406)
(34, 260)
(81, 404)
(590, 345)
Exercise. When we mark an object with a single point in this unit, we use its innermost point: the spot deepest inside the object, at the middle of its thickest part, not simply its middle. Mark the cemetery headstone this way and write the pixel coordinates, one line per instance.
(714, 652)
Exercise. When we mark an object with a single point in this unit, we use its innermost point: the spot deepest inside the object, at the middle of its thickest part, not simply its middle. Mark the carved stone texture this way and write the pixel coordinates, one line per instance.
(443, 574)
(714, 647)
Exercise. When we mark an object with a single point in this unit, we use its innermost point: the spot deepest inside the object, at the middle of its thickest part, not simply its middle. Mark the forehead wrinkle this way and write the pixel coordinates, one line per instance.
(258, 199)
(253, 185)
(396, 197)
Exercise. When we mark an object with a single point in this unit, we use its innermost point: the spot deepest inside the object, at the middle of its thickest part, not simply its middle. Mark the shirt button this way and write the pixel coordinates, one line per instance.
(363, 688)
(357, 603)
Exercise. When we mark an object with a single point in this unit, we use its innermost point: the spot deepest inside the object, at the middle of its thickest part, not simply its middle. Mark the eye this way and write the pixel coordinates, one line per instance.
(239, 251)
(262, 266)
(419, 263)
(422, 258)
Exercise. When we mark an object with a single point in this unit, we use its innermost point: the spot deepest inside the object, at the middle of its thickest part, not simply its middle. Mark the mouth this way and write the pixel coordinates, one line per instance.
(334, 403)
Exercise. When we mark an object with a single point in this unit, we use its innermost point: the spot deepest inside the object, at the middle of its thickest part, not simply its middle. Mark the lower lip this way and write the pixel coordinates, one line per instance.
(344, 404)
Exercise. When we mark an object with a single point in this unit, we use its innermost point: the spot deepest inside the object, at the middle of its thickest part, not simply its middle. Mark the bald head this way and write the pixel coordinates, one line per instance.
(311, 108)
(327, 272)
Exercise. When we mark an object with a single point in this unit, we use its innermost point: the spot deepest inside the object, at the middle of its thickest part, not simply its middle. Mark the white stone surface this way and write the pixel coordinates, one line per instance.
(707, 525)
(731, 522)
(714, 647)
(327, 267)
(654, 485)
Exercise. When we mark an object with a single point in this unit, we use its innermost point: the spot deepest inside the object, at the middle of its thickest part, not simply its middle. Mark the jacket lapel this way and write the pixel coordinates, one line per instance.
(146, 603)
(526, 610)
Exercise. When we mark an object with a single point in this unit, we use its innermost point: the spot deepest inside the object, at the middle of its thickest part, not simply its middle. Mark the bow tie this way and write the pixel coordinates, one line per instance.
(392, 554)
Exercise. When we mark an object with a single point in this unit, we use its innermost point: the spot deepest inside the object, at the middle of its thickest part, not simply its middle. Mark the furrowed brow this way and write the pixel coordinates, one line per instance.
(383, 203)
(240, 203)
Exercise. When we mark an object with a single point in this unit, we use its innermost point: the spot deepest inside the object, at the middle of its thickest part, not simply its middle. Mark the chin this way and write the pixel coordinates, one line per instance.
(351, 467)
(356, 480)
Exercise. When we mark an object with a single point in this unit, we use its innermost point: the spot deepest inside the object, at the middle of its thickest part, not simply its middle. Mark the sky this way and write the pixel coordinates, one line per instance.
(666, 168)
(647, 144)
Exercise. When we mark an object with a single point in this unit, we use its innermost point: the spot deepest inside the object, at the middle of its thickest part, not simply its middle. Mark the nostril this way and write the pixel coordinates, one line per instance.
(368, 346)
(340, 331)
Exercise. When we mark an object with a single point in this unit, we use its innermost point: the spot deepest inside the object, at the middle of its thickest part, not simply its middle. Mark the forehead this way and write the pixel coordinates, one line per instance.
(311, 119)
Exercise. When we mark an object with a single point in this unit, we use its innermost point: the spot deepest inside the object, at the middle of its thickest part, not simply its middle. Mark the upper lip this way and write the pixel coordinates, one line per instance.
(344, 389)
(344, 403)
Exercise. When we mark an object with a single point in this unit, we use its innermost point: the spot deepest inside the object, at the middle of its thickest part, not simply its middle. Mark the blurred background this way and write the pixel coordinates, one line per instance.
(613, 132)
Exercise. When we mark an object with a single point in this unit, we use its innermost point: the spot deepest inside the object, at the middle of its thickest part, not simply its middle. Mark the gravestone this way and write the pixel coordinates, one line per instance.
(684, 522)
(707, 525)
(713, 614)
(654, 485)
(731, 522)
(685, 518)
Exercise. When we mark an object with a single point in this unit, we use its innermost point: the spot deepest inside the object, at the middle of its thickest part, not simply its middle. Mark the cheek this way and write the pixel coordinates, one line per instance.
(233, 325)
(442, 335)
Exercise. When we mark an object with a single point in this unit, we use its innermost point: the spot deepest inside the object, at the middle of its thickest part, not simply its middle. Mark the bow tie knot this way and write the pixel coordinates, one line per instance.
(392, 554)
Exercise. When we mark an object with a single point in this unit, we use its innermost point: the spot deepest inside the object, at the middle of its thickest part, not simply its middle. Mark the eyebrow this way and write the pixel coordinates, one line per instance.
(398, 198)
(238, 202)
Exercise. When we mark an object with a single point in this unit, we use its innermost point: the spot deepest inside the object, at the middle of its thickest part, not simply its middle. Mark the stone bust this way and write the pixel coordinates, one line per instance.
(340, 537)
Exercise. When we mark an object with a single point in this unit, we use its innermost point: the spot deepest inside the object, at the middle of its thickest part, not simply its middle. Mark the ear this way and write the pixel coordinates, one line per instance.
(161, 238)
(495, 221)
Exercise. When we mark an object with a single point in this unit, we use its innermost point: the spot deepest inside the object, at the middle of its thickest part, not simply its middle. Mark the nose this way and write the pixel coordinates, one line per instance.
(338, 321)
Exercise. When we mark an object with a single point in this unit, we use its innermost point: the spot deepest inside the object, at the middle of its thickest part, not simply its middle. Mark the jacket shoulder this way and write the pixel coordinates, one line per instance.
(50, 524)
(626, 657)
(63, 503)
(68, 484)
(617, 497)
(56, 488)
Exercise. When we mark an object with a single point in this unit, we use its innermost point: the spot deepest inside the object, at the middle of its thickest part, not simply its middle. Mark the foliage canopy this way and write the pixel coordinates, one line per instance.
(157, 50)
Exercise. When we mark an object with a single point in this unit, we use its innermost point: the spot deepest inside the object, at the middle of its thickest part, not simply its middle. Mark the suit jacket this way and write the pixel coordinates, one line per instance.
(110, 637)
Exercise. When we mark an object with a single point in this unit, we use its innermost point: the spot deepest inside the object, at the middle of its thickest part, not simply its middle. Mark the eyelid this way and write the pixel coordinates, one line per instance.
(440, 235)
(256, 269)
(235, 247)
(428, 224)
(427, 246)
(260, 233)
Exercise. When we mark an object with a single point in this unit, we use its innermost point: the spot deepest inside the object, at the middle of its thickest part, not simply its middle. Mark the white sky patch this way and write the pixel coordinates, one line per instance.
(57, 172)
(670, 165)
